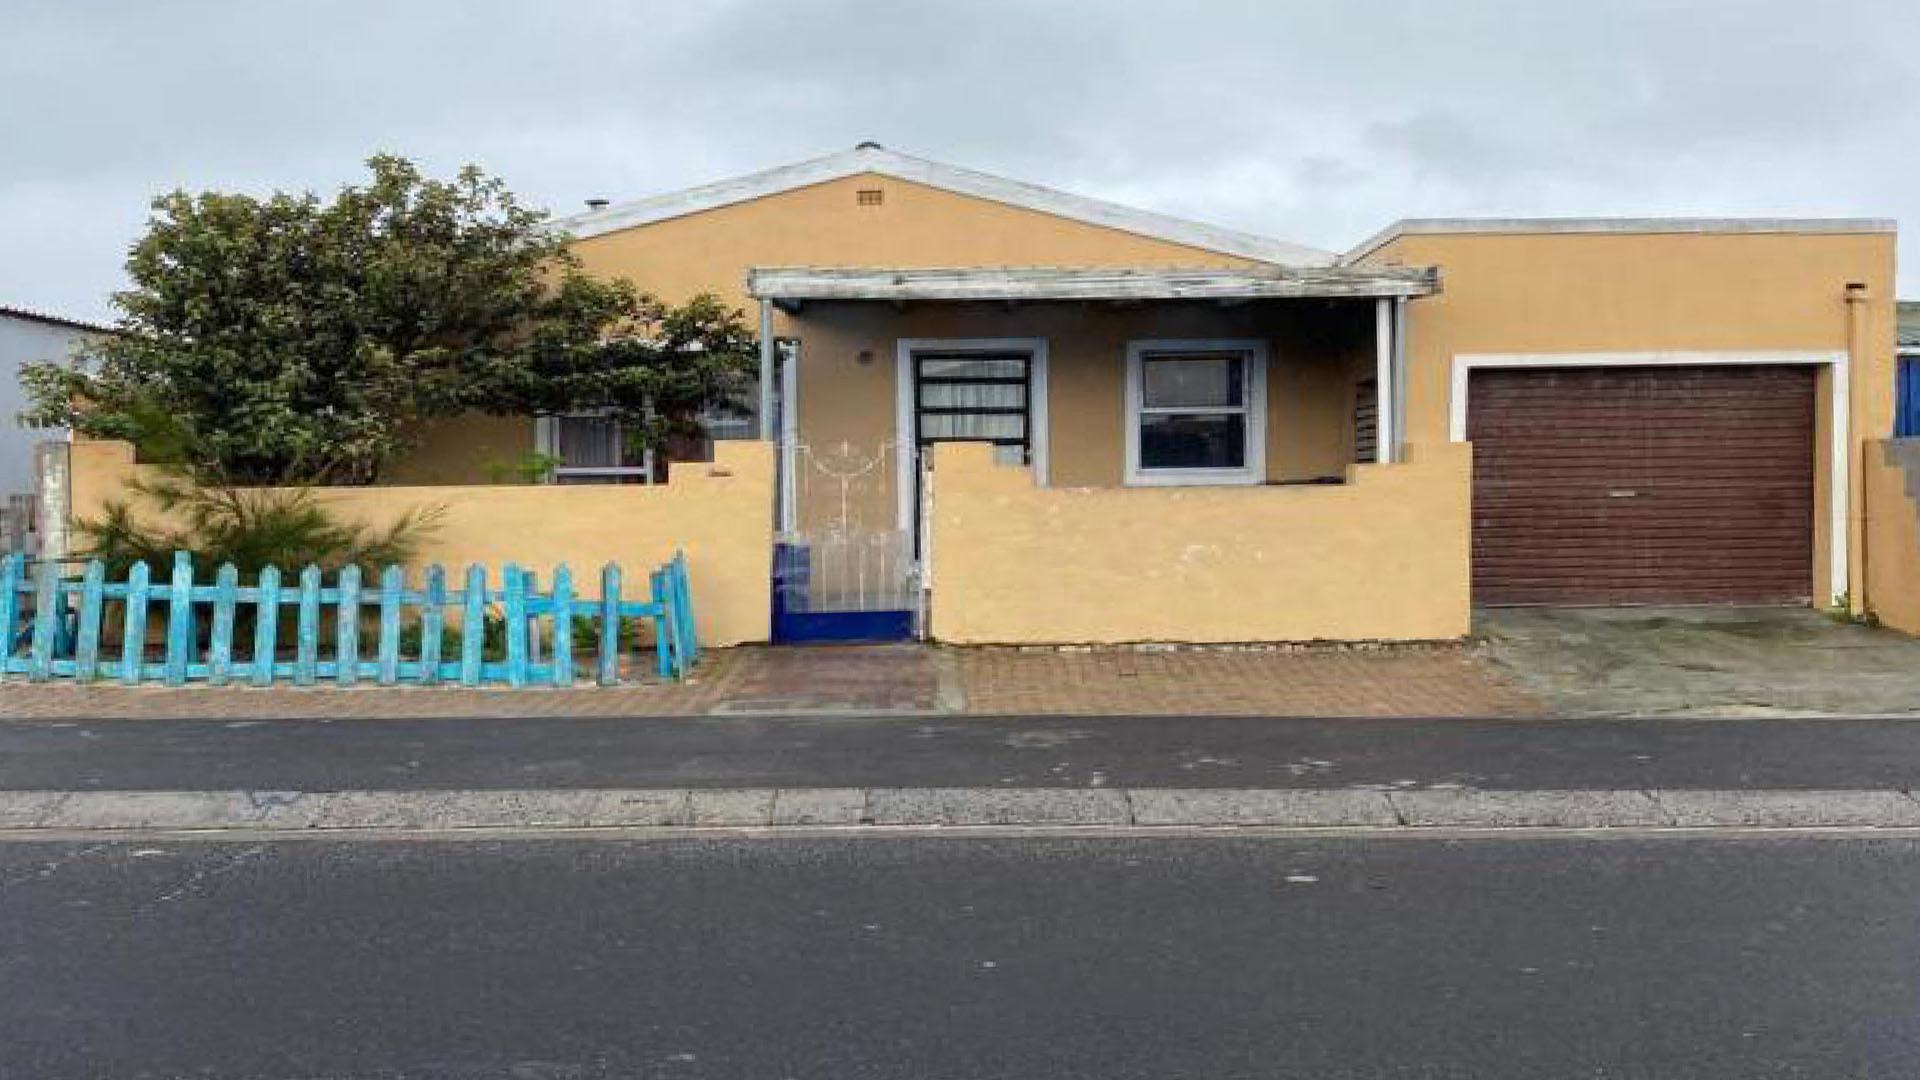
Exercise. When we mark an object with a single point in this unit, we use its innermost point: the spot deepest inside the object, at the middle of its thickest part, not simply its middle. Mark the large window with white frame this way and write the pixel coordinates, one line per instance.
(1196, 412)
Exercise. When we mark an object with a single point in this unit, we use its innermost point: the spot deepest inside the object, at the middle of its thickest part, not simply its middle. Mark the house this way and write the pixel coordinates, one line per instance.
(26, 337)
(1001, 413)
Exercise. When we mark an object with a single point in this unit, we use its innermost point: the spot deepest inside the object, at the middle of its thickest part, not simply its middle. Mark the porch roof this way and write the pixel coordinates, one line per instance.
(791, 285)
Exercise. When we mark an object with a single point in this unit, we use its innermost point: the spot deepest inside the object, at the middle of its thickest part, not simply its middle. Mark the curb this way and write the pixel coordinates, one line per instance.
(956, 807)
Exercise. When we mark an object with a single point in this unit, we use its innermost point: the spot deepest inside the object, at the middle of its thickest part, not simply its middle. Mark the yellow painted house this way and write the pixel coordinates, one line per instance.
(1000, 413)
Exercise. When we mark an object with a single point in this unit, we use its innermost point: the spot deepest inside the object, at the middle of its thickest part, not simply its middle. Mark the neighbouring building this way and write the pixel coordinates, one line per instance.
(1003, 413)
(26, 337)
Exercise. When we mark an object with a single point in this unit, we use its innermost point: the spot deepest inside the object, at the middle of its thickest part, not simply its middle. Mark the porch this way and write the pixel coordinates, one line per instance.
(1100, 396)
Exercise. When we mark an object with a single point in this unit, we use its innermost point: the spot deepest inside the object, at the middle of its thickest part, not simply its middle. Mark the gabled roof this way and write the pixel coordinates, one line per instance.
(876, 159)
(52, 320)
(1466, 226)
(1041, 283)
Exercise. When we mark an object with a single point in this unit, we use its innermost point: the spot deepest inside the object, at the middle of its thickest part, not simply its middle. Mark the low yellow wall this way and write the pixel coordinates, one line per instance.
(1893, 542)
(720, 515)
(1382, 557)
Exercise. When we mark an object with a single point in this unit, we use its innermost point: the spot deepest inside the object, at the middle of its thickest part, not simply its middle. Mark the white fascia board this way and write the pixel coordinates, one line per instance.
(952, 178)
(1617, 226)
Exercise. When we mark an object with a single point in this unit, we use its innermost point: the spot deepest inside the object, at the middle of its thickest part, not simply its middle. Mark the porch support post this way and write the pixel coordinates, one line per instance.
(767, 372)
(1385, 394)
(789, 435)
(1401, 309)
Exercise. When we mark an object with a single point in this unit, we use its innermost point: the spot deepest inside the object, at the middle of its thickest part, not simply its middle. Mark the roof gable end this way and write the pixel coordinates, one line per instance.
(871, 158)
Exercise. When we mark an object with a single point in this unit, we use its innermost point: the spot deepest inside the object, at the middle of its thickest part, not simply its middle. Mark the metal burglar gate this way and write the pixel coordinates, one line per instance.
(848, 572)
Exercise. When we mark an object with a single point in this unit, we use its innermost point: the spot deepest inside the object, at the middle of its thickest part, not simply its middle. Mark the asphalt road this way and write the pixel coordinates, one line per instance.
(1133, 752)
(945, 956)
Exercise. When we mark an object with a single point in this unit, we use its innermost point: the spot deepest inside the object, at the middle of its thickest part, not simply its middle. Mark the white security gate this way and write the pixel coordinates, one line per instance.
(847, 572)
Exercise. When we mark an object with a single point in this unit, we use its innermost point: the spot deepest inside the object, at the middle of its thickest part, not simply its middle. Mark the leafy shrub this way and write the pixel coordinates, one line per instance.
(252, 528)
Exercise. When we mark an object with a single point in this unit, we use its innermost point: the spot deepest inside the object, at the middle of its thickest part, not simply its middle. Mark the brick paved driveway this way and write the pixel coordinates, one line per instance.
(1411, 681)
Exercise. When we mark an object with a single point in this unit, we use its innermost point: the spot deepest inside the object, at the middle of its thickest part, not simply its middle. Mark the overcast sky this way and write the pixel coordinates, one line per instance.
(1315, 122)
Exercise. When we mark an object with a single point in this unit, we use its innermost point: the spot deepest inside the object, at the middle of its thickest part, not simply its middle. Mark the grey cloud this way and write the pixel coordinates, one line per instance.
(1314, 122)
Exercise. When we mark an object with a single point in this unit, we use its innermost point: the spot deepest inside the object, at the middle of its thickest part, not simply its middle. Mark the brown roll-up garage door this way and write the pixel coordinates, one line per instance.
(1642, 485)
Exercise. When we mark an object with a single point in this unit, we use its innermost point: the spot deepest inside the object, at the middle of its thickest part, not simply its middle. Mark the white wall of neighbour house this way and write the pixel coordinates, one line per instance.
(23, 341)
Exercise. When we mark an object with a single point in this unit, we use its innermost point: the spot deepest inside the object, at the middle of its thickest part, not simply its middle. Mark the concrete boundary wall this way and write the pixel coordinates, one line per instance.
(1383, 556)
(1892, 482)
(720, 514)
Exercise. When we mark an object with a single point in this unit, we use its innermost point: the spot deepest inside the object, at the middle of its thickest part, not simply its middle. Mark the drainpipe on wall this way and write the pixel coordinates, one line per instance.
(1858, 296)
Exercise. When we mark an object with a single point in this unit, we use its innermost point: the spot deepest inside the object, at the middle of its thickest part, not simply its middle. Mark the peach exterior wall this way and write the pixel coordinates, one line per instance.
(464, 450)
(1893, 543)
(1641, 292)
(823, 225)
(1383, 557)
(718, 514)
(1316, 354)
(820, 225)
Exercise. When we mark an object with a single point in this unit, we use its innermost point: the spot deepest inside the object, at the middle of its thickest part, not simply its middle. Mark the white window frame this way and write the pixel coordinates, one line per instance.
(1254, 470)
(546, 440)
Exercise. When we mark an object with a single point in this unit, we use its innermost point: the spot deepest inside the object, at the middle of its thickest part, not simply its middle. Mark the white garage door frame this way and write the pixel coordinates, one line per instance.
(1840, 411)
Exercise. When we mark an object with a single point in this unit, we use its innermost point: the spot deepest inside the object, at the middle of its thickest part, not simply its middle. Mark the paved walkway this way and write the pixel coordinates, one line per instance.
(887, 680)
(1702, 662)
(1301, 681)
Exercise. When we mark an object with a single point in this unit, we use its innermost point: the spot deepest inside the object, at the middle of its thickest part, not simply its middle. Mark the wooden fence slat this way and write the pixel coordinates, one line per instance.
(662, 625)
(93, 602)
(266, 625)
(473, 626)
(306, 659)
(432, 623)
(514, 587)
(562, 626)
(46, 621)
(609, 673)
(180, 635)
(133, 634)
(391, 581)
(683, 606)
(346, 660)
(530, 589)
(226, 599)
(12, 576)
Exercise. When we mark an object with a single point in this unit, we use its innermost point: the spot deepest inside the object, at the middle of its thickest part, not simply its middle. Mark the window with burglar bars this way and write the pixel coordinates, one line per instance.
(975, 397)
(593, 449)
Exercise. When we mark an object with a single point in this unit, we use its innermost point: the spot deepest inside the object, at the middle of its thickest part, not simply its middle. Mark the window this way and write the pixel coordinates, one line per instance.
(870, 196)
(593, 450)
(1196, 412)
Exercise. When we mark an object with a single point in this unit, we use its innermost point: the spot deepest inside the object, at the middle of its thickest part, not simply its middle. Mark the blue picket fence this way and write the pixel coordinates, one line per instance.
(52, 625)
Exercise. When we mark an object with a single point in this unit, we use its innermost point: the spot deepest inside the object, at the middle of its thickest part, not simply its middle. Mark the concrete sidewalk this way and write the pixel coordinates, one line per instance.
(363, 811)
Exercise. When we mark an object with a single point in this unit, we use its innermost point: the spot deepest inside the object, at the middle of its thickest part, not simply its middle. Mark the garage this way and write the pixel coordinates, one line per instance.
(1642, 485)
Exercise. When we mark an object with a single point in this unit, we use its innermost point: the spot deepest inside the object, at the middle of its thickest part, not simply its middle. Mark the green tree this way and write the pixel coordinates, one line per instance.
(291, 340)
